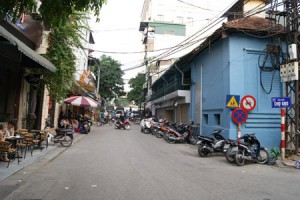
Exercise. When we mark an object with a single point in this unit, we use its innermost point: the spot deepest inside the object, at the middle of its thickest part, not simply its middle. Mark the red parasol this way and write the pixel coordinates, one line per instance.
(81, 101)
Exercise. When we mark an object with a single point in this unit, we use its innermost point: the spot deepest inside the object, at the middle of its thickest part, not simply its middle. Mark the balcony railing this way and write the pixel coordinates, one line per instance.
(171, 87)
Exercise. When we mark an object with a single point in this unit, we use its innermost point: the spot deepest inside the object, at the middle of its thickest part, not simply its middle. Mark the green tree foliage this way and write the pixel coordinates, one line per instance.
(136, 94)
(111, 82)
(53, 12)
(120, 102)
(60, 53)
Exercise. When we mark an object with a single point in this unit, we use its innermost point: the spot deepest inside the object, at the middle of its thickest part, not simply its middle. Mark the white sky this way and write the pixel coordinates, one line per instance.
(118, 30)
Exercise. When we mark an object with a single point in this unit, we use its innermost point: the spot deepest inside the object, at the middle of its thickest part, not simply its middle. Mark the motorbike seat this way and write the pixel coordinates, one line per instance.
(63, 130)
(245, 143)
(206, 137)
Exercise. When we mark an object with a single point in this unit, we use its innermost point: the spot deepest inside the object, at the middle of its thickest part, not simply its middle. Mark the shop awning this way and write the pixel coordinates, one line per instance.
(28, 52)
(86, 90)
(79, 90)
(87, 87)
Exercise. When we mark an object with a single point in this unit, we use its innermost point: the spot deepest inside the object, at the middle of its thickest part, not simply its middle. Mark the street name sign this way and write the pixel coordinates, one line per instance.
(281, 102)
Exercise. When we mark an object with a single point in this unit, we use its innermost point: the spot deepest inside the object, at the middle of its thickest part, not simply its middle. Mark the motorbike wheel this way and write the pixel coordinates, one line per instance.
(146, 131)
(239, 160)
(127, 127)
(153, 131)
(263, 156)
(67, 141)
(116, 126)
(159, 134)
(165, 135)
(192, 140)
(137, 121)
(170, 140)
(110, 123)
(203, 152)
(230, 158)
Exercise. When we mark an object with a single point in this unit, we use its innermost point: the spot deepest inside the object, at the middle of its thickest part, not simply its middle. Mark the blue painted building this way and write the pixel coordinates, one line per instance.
(241, 58)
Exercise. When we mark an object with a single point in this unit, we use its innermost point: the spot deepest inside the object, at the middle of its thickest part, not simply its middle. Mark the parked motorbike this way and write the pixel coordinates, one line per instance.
(208, 145)
(155, 126)
(85, 125)
(136, 119)
(182, 134)
(168, 127)
(250, 150)
(230, 153)
(162, 128)
(146, 126)
(62, 136)
(105, 120)
(125, 125)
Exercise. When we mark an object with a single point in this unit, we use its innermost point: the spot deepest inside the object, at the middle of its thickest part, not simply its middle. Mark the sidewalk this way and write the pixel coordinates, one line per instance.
(37, 155)
(290, 162)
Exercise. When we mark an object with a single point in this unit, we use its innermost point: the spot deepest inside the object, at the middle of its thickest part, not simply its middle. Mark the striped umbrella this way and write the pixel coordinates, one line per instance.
(81, 101)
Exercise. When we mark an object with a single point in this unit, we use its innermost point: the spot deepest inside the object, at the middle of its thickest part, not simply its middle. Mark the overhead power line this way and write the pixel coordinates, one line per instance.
(194, 38)
(136, 28)
(184, 43)
(197, 6)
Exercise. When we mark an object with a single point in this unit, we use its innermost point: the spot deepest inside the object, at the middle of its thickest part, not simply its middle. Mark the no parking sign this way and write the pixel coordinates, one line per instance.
(239, 115)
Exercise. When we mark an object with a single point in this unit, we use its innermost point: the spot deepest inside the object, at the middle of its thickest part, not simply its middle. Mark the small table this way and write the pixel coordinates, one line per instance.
(14, 140)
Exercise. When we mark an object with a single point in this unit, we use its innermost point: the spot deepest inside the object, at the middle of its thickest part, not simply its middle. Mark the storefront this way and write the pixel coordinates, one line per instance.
(21, 69)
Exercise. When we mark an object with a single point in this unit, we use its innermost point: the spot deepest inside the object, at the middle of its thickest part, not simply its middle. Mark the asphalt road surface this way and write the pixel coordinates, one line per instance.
(111, 164)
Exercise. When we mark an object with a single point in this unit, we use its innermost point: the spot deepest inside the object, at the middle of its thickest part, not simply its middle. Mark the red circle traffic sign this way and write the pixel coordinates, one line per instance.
(248, 103)
(239, 115)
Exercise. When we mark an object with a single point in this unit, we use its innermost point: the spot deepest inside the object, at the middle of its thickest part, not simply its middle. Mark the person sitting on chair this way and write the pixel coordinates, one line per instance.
(64, 122)
(10, 129)
(2, 138)
(75, 123)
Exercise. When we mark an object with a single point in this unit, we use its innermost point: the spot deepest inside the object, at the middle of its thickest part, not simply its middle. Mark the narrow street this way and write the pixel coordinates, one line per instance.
(113, 164)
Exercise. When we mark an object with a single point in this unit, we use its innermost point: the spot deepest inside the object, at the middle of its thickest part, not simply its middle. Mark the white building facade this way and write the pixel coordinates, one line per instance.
(171, 29)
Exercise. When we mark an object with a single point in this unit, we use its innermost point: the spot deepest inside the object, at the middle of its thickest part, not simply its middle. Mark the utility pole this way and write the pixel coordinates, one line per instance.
(292, 85)
(98, 80)
(149, 33)
(147, 76)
